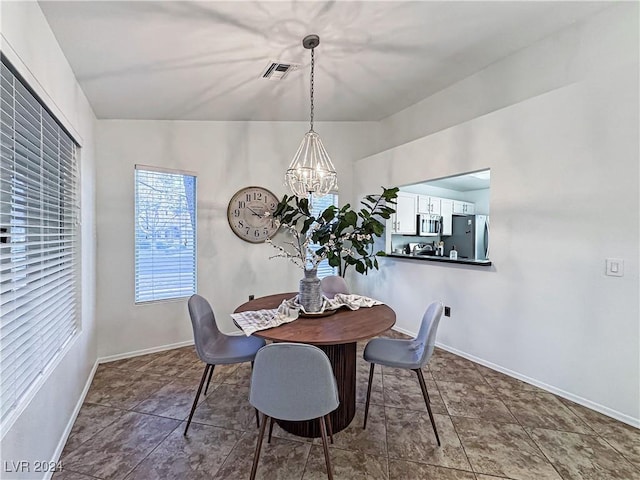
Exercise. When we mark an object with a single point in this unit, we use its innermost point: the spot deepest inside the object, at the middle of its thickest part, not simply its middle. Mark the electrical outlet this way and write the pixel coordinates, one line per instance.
(251, 297)
(447, 311)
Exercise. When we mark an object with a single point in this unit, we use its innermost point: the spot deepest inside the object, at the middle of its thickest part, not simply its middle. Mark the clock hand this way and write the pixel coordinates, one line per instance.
(254, 212)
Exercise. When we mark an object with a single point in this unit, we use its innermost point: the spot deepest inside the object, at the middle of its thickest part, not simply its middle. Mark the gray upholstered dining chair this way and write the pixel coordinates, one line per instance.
(333, 284)
(214, 347)
(412, 354)
(293, 382)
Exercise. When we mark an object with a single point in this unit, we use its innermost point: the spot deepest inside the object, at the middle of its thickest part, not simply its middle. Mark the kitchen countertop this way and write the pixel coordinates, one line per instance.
(434, 258)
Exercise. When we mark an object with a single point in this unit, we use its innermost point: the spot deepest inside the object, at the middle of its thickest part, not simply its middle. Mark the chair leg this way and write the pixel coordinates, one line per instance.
(270, 429)
(209, 379)
(366, 407)
(257, 416)
(425, 391)
(425, 394)
(195, 400)
(327, 420)
(256, 456)
(325, 447)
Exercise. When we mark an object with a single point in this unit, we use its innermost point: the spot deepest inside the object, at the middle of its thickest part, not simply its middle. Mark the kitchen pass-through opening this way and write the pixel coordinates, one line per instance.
(445, 217)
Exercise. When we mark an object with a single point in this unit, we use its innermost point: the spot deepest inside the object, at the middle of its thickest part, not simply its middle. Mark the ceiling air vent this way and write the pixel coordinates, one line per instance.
(278, 70)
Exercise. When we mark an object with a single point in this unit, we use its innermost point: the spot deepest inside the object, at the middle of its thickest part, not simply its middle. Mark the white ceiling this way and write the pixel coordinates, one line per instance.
(203, 60)
(464, 183)
(461, 183)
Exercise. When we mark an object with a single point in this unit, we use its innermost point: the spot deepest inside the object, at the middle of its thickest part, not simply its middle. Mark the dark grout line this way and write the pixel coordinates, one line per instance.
(106, 406)
(386, 425)
(464, 450)
(245, 432)
(94, 434)
(306, 462)
(623, 455)
(533, 441)
(75, 471)
(235, 445)
(151, 451)
(218, 426)
(499, 396)
(129, 410)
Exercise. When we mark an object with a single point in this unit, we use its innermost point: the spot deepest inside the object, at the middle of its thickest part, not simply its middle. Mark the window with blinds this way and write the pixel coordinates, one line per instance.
(318, 205)
(165, 234)
(39, 241)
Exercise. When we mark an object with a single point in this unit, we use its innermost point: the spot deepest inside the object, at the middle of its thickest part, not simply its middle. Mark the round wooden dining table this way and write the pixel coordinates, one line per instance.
(336, 335)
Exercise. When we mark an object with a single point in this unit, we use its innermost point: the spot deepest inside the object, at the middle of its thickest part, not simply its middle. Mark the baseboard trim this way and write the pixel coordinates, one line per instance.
(111, 358)
(629, 420)
(402, 330)
(146, 351)
(65, 435)
(634, 422)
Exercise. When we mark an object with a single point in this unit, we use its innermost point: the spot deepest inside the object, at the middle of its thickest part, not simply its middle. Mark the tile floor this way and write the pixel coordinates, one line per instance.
(491, 426)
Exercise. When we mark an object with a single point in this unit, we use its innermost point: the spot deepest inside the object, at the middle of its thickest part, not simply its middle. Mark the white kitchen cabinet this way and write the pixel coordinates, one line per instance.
(429, 205)
(446, 210)
(434, 203)
(423, 204)
(404, 220)
(463, 208)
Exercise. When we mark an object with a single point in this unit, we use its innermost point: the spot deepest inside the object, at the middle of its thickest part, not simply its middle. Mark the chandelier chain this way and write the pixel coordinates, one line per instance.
(312, 70)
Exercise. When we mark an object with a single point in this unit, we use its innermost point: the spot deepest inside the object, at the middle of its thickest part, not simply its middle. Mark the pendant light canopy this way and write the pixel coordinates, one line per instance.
(311, 170)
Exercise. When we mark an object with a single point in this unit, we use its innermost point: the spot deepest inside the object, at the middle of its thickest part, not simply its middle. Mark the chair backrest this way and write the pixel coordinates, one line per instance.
(293, 381)
(333, 284)
(203, 322)
(425, 341)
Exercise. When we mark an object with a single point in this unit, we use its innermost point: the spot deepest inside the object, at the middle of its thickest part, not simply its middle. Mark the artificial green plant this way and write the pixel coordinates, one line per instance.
(345, 236)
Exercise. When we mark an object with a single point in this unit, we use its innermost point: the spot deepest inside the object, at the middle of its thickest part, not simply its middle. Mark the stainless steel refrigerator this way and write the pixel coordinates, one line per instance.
(470, 235)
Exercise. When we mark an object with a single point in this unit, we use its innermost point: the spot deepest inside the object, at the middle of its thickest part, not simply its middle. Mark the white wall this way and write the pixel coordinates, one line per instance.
(29, 44)
(564, 58)
(226, 156)
(564, 196)
(481, 199)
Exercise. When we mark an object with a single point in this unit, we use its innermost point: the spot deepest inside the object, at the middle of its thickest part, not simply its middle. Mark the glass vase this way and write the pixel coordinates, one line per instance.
(310, 295)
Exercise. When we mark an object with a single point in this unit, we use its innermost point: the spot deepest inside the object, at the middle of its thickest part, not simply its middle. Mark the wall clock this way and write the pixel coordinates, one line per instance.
(245, 214)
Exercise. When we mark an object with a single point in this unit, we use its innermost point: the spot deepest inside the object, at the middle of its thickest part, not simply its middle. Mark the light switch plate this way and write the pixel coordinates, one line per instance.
(614, 267)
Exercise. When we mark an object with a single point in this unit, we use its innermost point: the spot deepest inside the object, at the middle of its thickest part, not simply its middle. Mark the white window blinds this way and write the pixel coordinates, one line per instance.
(39, 244)
(165, 234)
(318, 205)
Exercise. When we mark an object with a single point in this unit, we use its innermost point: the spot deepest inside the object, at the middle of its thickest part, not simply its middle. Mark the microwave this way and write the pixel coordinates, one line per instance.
(429, 225)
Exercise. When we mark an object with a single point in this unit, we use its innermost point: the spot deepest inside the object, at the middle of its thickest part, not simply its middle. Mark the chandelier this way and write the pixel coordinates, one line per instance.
(311, 170)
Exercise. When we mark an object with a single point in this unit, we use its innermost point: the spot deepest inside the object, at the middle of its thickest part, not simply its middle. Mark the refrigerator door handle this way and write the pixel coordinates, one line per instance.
(486, 238)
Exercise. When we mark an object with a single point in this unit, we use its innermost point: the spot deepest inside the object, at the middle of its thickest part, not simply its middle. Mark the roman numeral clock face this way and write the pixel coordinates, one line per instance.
(246, 214)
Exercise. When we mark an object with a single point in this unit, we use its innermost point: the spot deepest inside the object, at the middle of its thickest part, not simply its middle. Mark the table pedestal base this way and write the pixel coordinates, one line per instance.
(343, 362)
